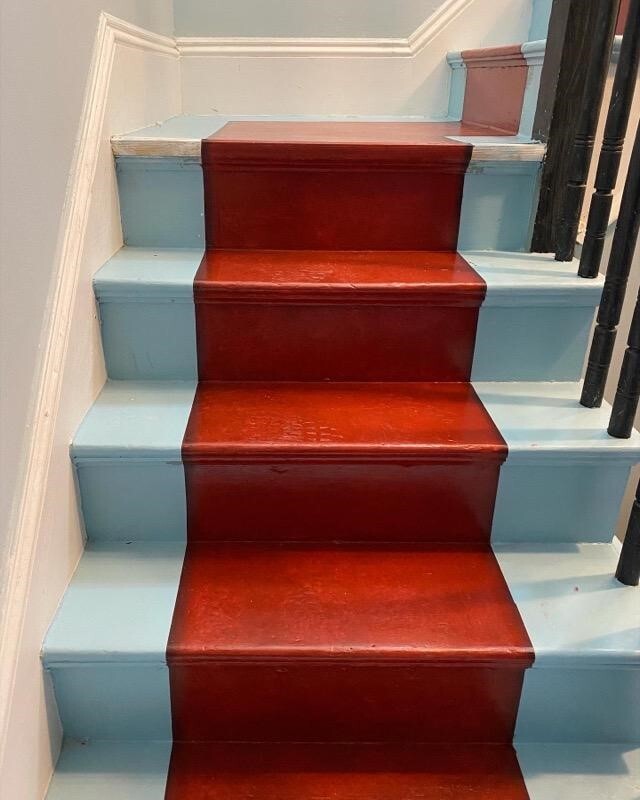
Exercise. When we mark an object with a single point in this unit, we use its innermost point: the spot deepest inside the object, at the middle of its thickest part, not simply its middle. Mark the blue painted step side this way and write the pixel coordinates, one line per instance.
(583, 625)
(106, 648)
(535, 321)
(161, 203)
(564, 476)
(147, 314)
(533, 325)
(103, 770)
(127, 455)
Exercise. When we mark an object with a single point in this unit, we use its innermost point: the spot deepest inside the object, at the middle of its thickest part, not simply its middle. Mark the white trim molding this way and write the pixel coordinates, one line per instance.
(190, 46)
(27, 512)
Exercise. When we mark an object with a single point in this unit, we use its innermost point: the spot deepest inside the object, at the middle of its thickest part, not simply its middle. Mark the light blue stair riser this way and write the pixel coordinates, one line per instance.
(114, 700)
(152, 341)
(498, 205)
(532, 343)
(149, 341)
(581, 503)
(579, 705)
(124, 501)
(101, 770)
(161, 203)
(569, 503)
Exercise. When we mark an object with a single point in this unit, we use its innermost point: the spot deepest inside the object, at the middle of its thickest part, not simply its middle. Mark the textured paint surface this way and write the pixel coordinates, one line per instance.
(317, 315)
(421, 460)
(294, 643)
(313, 185)
(344, 772)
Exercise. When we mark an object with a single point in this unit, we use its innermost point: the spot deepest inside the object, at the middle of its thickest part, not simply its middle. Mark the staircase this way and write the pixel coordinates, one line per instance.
(349, 530)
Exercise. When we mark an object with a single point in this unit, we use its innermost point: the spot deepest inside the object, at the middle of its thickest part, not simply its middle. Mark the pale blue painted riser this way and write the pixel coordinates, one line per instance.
(161, 203)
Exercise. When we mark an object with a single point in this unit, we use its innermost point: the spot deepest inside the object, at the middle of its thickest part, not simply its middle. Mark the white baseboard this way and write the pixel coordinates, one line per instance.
(40, 556)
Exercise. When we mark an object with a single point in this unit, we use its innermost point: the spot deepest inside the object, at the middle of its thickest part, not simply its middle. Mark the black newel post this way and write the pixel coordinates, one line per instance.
(613, 142)
(628, 571)
(615, 285)
(595, 75)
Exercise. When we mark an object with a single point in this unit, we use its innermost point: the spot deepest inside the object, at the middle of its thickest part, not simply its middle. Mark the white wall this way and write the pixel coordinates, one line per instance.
(46, 52)
(301, 18)
(344, 79)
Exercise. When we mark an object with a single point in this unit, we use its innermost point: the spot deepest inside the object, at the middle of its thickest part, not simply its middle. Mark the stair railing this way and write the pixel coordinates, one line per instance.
(600, 22)
(595, 76)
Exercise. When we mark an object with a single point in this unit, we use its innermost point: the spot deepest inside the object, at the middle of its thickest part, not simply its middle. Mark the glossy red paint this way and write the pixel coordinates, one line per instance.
(340, 461)
(315, 315)
(344, 772)
(494, 91)
(345, 643)
(333, 186)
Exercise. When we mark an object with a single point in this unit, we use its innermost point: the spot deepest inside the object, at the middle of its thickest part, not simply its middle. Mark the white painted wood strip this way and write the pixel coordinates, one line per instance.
(147, 145)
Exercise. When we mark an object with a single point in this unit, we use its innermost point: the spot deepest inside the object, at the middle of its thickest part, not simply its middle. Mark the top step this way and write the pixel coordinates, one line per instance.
(333, 186)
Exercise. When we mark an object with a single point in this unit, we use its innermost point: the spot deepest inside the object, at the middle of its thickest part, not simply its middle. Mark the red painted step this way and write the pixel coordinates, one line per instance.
(315, 315)
(340, 461)
(345, 643)
(333, 186)
(344, 772)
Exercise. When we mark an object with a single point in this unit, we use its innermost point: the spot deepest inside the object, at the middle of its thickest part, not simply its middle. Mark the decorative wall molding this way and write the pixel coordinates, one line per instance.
(26, 516)
(193, 46)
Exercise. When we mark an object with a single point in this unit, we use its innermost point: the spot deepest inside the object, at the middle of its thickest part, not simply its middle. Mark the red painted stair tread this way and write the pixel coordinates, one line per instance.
(316, 315)
(333, 185)
(340, 461)
(354, 603)
(301, 643)
(384, 421)
(339, 275)
(344, 772)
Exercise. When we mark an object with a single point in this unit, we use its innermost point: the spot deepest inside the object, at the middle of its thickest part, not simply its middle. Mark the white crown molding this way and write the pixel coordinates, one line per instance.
(26, 516)
(192, 46)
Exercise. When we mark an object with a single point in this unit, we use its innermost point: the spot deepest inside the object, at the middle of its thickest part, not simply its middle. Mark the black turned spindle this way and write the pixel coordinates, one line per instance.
(615, 284)
(596, 70)
(615, 129)
(625, 403)
(628, 571)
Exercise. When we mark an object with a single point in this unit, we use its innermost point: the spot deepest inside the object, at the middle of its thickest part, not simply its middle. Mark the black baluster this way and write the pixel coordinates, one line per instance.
(615, 285)
(625, 403)
(628, 571)
(594, 81)
(615, 129)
